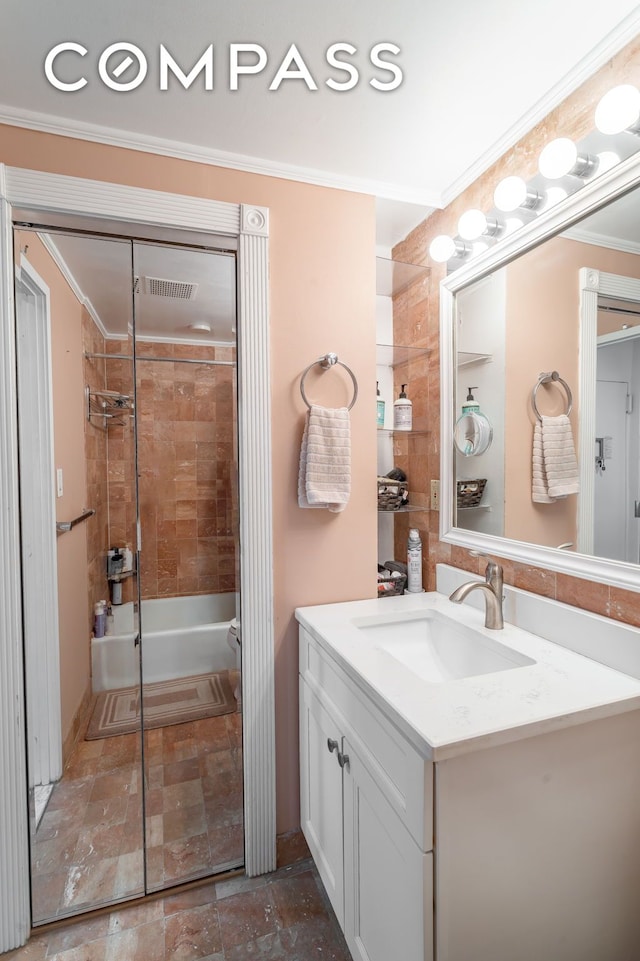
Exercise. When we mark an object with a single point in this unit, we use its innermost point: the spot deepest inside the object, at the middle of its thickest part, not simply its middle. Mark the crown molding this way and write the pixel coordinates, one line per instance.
(110, 136)
(63, 267)
(602, 240)
(610, 44)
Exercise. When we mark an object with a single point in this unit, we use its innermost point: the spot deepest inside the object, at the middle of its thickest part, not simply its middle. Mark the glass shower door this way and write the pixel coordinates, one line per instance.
(86, 795)
(187, 483)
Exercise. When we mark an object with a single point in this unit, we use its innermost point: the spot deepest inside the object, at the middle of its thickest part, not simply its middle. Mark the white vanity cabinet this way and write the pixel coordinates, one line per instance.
(366, 802)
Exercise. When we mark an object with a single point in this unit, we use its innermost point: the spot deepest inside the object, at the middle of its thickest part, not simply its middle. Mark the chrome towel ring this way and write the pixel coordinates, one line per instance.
(326, 362)
(547, 378)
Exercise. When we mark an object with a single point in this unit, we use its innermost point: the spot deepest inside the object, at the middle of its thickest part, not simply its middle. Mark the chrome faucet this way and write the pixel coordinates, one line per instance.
(491, 587)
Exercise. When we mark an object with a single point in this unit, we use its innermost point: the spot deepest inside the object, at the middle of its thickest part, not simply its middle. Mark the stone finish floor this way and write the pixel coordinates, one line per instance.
(88, 849)
(284, 916)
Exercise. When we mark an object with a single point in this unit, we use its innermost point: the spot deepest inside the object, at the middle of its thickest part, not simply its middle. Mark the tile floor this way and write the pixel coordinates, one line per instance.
(284, 916)
(88, 847)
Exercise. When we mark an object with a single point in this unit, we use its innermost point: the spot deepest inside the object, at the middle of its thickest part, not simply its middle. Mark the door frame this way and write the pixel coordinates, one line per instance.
(44, 198)
(38, 530)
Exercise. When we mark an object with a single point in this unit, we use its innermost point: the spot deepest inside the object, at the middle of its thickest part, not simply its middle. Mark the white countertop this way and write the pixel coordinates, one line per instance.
(447, 719)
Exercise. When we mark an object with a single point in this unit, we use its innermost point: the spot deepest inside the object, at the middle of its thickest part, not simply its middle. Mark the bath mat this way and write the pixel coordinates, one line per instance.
(165, 703)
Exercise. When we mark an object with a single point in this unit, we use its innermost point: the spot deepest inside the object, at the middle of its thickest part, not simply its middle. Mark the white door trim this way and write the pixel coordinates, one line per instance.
(38, 529)
(57, 196)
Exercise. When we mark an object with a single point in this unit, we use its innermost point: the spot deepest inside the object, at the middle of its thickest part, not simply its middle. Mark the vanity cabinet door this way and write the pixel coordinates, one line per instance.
(388, 879)
(321, 794)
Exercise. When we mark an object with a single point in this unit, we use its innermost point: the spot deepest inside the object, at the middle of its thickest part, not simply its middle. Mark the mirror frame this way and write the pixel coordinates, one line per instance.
(584, 201)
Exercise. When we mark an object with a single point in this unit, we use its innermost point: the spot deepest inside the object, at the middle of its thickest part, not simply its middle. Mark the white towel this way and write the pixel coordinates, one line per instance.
(555, 468)
(324, 478)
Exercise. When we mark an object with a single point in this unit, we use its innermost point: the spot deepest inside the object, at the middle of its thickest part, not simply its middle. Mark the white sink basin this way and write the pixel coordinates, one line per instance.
(437, 648)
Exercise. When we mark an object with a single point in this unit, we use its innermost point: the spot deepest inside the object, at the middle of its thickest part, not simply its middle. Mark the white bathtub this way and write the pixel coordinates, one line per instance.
(181, 636)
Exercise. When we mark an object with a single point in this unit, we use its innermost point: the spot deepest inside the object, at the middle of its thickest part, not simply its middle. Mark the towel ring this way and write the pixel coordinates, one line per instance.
(326, 362)
(548, 378)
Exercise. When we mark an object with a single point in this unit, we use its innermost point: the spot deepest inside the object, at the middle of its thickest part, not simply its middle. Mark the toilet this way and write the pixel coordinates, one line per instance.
(233, 640)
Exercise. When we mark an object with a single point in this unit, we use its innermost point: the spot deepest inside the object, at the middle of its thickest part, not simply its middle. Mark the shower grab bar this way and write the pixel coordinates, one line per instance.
(162, 360)
(327, 361)
(63, 526)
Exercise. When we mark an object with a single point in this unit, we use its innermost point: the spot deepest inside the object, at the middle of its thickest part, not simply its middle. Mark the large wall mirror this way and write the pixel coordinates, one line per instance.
(544, 329)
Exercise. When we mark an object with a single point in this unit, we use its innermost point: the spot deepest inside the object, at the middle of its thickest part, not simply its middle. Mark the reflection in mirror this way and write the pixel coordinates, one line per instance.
(137, 380)
(525, 319)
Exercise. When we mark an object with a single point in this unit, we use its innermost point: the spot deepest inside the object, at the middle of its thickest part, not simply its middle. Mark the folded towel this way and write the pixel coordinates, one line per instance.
(324, 478)
(555, 468)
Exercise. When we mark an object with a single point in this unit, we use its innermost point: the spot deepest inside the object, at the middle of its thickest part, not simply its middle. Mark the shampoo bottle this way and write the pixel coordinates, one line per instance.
(414, 562)
(380, 408)
(402, 412)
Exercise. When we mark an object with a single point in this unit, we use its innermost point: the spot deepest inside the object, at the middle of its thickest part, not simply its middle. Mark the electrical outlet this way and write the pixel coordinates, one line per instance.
(435, 495)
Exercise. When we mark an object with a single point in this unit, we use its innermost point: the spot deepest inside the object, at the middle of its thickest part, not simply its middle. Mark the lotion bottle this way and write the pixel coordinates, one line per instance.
(414, 562)
(402, 412)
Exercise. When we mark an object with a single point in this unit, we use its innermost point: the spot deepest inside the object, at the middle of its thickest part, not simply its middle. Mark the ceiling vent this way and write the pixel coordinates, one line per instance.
(175, 289)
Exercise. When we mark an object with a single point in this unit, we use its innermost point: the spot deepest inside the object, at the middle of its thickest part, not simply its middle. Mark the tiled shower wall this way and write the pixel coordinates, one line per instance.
(187, 470)
(96, 469)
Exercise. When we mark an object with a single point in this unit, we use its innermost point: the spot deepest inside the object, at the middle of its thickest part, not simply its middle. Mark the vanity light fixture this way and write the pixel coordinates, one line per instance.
(619, 110)
(474, 224)
(553, 196)
(513, 192)
(443, 248)
(561, 158)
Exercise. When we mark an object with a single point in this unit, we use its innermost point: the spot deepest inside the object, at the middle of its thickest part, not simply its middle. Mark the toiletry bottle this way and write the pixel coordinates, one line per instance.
(116, 592)
(402, 412)
(414, 562)
(380, 409)
(99, 619)
(471, 405)
(110, 623)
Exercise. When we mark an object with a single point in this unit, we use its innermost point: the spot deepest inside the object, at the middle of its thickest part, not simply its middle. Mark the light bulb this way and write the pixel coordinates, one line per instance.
(553, 196)
(561, 157)
(472, 224)
(442, 248)
(510, 194)
(618, 110)
(478, 247)
(511, 224)
(558, 158)
(606, 160)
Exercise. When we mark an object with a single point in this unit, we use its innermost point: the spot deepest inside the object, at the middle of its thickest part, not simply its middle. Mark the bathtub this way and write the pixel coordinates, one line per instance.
(181, 636)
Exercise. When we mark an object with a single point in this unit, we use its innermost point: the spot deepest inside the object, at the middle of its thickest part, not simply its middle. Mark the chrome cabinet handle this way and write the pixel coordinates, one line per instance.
(332, 745)
(343, 759)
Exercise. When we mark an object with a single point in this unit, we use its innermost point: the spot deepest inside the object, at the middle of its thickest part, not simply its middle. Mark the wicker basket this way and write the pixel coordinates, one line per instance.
(392, 494)
(469, 492)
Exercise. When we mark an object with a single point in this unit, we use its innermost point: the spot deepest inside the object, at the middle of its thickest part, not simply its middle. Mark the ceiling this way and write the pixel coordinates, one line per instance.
(181, 295)
(476, 76)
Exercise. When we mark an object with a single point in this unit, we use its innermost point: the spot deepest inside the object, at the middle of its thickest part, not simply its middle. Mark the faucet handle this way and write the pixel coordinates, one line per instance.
(494, 576)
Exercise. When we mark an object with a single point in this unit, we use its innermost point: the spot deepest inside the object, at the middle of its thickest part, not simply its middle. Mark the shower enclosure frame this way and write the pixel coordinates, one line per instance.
(56, 200)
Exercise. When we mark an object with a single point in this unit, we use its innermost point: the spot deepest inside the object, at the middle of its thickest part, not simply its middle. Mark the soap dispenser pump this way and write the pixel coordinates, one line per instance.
(471, 405)
(402, 411)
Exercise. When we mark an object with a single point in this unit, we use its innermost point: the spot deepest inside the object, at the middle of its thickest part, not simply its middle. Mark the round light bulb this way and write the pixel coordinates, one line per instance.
(511, 224)
(558, 158)
(606, 160)
(510, 194)
(553, 196)
(478, 247)
(618, 110)
(472, 224)
(442, 248)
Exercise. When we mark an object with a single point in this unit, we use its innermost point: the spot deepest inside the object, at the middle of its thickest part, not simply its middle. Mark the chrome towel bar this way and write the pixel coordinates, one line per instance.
(63, 526)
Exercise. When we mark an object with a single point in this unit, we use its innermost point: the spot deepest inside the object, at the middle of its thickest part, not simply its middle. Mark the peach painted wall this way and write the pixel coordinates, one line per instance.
(572, 118)
(68, 428)
(322, 289)
(543, 333)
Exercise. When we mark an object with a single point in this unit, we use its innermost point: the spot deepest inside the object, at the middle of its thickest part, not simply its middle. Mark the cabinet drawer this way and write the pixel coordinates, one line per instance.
(404, 777)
